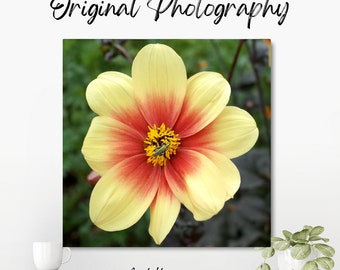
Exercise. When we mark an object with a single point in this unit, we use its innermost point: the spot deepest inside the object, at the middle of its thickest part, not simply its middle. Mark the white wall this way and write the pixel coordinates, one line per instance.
(306, 128)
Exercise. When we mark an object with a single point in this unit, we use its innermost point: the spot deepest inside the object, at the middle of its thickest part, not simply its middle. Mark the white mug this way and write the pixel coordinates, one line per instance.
(50, 255)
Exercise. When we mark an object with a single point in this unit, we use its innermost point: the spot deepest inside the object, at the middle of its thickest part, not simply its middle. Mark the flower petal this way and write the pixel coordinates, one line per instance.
(109, 141)
(111, 94)
(201, 183)
(207, 95)
(233, 133)
(231, 175)
(163, 212)
(159, 81)
(124, 193)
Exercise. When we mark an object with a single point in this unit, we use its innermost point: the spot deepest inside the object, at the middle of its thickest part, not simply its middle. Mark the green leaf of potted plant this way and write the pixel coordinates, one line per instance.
(302, 250)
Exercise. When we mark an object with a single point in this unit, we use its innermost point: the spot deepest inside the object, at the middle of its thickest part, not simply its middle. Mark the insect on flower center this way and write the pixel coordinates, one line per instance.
(160, 144)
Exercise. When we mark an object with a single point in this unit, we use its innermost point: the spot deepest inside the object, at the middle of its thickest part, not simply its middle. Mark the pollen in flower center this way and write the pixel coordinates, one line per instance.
(160, 144)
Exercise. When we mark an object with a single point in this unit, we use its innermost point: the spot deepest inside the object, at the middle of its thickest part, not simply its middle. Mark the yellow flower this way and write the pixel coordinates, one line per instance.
(161, 140)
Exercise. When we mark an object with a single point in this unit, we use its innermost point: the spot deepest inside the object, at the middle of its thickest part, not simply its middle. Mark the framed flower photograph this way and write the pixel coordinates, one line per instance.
(166, 143)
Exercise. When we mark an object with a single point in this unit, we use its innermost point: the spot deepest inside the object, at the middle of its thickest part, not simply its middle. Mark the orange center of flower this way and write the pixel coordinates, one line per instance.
(160, 144)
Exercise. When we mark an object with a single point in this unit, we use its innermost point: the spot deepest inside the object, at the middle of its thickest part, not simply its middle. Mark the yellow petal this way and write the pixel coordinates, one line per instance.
(233, 133)
(163, 212)
(207, 95)
(108, 142)
(159, 81)
(199, 182)
(231, 175)
(123, 194)
(111, 94)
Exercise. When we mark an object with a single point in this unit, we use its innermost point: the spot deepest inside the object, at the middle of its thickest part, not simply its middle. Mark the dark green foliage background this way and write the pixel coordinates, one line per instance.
(245, 220)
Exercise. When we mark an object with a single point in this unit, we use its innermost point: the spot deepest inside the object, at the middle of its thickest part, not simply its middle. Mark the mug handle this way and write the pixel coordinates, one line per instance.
(69, 253)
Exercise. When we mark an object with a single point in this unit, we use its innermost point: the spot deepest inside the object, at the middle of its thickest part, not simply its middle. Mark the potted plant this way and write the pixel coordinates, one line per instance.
(302, 250)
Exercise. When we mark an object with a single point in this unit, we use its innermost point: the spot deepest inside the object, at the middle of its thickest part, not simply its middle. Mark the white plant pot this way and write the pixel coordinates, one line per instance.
(286, 262)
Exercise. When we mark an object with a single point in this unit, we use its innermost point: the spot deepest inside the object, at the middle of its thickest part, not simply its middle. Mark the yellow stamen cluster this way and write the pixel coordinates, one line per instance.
(160, 144)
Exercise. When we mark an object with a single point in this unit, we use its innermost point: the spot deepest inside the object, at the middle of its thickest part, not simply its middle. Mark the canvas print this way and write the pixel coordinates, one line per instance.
(166, 143)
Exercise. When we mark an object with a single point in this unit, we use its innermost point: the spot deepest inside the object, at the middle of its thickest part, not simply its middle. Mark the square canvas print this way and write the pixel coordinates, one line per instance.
(166, 143)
